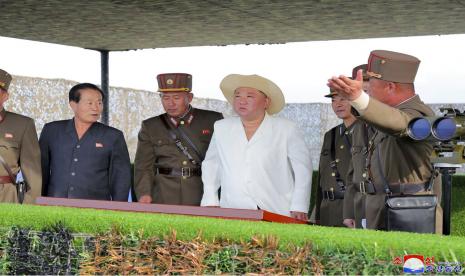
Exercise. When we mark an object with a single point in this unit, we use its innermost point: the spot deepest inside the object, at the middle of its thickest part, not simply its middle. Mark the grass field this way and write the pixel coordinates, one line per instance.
(377, 244)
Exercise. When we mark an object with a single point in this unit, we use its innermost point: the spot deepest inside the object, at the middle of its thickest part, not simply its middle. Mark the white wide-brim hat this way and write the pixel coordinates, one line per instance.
(231, 82)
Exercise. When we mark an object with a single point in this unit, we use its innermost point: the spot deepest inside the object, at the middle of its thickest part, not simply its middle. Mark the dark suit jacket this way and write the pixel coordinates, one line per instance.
(95, 167)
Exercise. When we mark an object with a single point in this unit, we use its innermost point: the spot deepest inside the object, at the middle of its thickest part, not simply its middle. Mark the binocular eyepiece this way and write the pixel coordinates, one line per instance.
(437, 128)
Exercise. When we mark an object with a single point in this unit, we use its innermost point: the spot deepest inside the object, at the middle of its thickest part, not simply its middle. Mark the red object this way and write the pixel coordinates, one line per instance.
(397, 261)
(429, 261)
(226, 213)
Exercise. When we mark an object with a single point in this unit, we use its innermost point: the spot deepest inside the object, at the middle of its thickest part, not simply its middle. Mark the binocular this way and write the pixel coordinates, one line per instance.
(448, 127)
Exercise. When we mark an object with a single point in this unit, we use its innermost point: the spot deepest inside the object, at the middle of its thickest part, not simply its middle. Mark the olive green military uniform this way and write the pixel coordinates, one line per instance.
(332, 175)
(354, 201)
(392, 156)
(170, 150)
(157, 153)
(19, 147)
(402, 161)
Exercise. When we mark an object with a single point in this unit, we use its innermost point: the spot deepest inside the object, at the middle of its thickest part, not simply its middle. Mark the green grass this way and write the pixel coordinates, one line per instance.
(381, 245)
(458, 205)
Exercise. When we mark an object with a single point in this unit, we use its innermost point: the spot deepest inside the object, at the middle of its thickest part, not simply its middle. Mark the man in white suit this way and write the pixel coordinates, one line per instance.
(259, 161)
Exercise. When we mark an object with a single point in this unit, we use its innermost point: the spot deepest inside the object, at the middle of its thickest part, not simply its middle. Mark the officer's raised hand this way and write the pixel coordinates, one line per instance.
(346, 87)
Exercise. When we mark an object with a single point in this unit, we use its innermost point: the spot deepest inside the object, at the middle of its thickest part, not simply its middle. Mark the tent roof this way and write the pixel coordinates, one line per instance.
(138, 24)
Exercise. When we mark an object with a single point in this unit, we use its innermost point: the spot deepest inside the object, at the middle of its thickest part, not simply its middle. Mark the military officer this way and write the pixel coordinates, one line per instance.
(82, 158)
(388, 106)
(354, 202)
(172, 146)
(19, 149)
(335, 158)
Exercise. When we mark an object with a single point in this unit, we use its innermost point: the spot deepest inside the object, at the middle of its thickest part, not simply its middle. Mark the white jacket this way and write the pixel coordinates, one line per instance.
(272, 171)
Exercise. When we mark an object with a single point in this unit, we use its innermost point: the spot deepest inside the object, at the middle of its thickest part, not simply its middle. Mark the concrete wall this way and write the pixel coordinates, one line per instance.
(46, 100)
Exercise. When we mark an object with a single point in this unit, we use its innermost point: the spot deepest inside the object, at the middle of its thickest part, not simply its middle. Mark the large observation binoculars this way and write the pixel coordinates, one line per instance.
(451, 126)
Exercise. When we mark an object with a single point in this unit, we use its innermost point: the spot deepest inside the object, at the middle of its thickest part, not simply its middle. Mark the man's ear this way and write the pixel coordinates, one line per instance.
(267, 102)
(73, 105)
(190, 96)
(392, 86)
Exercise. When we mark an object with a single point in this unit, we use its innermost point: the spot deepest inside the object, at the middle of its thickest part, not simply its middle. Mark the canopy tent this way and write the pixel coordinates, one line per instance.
(120, 25)
(113, 25)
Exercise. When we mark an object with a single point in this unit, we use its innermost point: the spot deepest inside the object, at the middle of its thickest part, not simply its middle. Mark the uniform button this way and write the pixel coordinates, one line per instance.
(75, 159)
(342, 146)
(364, 175)
(184, 162)
(337, 160)
(182, 122)
(73, 173)
(71, 188)
(78, 146)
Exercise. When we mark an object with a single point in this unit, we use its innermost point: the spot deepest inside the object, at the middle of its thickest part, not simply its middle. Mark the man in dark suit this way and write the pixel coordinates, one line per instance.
(172, 146)
(82, 158)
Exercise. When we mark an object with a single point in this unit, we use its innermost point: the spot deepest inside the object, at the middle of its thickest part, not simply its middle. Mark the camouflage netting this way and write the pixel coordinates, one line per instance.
(46, 100)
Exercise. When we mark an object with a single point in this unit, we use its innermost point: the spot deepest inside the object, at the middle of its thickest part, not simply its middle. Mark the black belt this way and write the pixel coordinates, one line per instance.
(332, 195)
(184, 172)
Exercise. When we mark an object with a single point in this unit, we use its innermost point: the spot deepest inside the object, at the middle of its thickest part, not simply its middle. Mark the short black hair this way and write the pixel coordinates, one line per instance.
(75, 91)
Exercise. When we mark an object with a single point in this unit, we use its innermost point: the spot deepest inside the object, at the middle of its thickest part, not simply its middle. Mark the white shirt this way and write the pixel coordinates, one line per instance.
(272, 171)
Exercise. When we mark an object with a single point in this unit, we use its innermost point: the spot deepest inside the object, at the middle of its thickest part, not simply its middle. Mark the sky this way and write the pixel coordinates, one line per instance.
(300, 69)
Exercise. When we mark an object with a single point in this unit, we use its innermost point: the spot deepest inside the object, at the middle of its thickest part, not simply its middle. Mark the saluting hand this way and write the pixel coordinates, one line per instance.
(346, 87)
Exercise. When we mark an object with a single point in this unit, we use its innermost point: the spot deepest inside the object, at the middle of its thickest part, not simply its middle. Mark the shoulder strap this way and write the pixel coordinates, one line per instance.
(174, 135)
(333, 143)
(333, 163)
(387, 190)
(8, 170)
(383, 178)
(189, 141)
